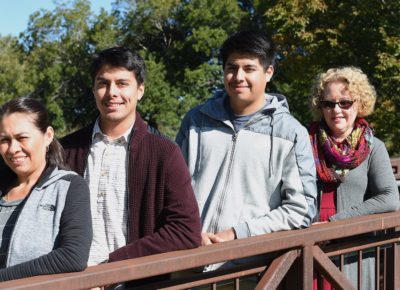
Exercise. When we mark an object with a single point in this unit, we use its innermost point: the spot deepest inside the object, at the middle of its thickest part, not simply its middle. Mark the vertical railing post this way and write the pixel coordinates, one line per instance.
(308, 267)
(396, 266)
(391, 279)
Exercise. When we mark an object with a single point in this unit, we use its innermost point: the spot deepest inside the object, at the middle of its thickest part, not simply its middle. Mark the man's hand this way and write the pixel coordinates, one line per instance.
(318, 223)
(210, 238)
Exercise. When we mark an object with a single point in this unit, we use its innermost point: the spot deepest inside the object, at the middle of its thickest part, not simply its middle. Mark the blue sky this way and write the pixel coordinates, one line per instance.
(15, 13)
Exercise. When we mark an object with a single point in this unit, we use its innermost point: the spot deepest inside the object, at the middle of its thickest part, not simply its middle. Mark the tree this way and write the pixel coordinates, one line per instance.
(14, 80)
(180, 40)
(316, 35)
(59, 45)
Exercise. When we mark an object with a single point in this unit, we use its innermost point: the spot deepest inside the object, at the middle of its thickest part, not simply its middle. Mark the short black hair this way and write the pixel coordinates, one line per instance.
(250, 42)
(119, 57)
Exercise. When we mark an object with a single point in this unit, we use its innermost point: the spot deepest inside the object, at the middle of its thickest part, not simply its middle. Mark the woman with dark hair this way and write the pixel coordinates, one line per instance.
(45, 221)
(354, 173)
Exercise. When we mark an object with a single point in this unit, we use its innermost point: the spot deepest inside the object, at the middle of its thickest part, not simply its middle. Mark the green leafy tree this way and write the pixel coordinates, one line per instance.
(180, 40)
(59, 45)
(56, 45)
(13, 70)
(316, 35)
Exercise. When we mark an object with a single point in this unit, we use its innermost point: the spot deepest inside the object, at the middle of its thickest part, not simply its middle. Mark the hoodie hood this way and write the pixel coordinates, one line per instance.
(50, 175)
(276, 104)
(214, 107)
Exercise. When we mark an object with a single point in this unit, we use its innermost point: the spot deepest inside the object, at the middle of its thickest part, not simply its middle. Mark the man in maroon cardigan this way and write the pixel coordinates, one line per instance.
(142, 201)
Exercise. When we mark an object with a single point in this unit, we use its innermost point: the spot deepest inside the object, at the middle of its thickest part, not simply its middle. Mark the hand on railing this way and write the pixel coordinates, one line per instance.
(318, 223)
(118, 286)
(210, 238)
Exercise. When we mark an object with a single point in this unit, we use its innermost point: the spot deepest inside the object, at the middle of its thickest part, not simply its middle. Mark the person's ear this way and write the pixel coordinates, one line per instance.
(49, 135)
(269, 72)
(140, 91)
(94, 90)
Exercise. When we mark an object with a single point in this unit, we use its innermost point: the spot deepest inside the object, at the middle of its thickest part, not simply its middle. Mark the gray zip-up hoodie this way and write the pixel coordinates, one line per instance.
(53, 232)
(258, 180)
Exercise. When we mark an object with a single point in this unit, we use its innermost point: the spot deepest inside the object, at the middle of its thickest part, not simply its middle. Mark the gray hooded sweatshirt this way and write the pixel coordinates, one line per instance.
(53, 231)
(258, 180)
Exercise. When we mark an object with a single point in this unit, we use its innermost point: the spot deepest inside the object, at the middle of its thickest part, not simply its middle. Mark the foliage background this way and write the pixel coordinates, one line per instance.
(179, 40)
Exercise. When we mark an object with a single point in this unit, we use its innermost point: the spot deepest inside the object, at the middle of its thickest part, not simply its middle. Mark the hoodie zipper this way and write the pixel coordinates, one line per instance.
(216, 218)
(215, 221)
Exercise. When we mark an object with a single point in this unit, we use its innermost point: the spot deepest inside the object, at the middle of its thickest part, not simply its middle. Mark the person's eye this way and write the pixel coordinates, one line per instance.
(22, 138)
(328, 104)
(101, 84)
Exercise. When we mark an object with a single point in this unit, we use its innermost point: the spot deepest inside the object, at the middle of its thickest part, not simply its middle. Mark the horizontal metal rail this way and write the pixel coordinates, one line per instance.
(154, 265)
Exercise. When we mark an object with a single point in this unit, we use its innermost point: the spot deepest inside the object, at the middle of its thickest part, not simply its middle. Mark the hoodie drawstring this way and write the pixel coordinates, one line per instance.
(271, 166)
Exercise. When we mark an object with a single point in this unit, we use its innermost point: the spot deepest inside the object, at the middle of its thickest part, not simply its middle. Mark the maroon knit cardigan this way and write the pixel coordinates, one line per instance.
(162, 211)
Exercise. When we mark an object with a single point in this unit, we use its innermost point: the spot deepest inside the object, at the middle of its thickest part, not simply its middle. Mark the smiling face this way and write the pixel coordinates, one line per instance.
(245, 81)
(23, 145)
(116, 92)
(340, 121)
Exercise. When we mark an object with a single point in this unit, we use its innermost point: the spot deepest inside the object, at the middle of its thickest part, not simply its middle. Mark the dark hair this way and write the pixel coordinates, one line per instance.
(119, 57)
(29, 106)
(252, 43)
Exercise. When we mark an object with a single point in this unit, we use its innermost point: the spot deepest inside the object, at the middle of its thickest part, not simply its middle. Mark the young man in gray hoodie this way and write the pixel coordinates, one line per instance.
(250, 160)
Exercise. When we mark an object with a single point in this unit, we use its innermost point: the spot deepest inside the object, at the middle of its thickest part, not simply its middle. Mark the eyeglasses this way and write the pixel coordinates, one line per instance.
(343, 104)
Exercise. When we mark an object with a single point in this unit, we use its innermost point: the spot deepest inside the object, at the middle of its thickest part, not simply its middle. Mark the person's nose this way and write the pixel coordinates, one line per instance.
(336, 109)
(239, 76)
(14, 147)
(113, 90)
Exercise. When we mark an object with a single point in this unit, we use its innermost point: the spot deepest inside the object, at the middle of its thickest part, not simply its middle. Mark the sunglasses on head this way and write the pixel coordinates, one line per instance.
(343, 104)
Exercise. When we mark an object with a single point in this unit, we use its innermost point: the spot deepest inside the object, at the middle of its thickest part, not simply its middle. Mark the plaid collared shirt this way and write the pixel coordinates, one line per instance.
(106, 175)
